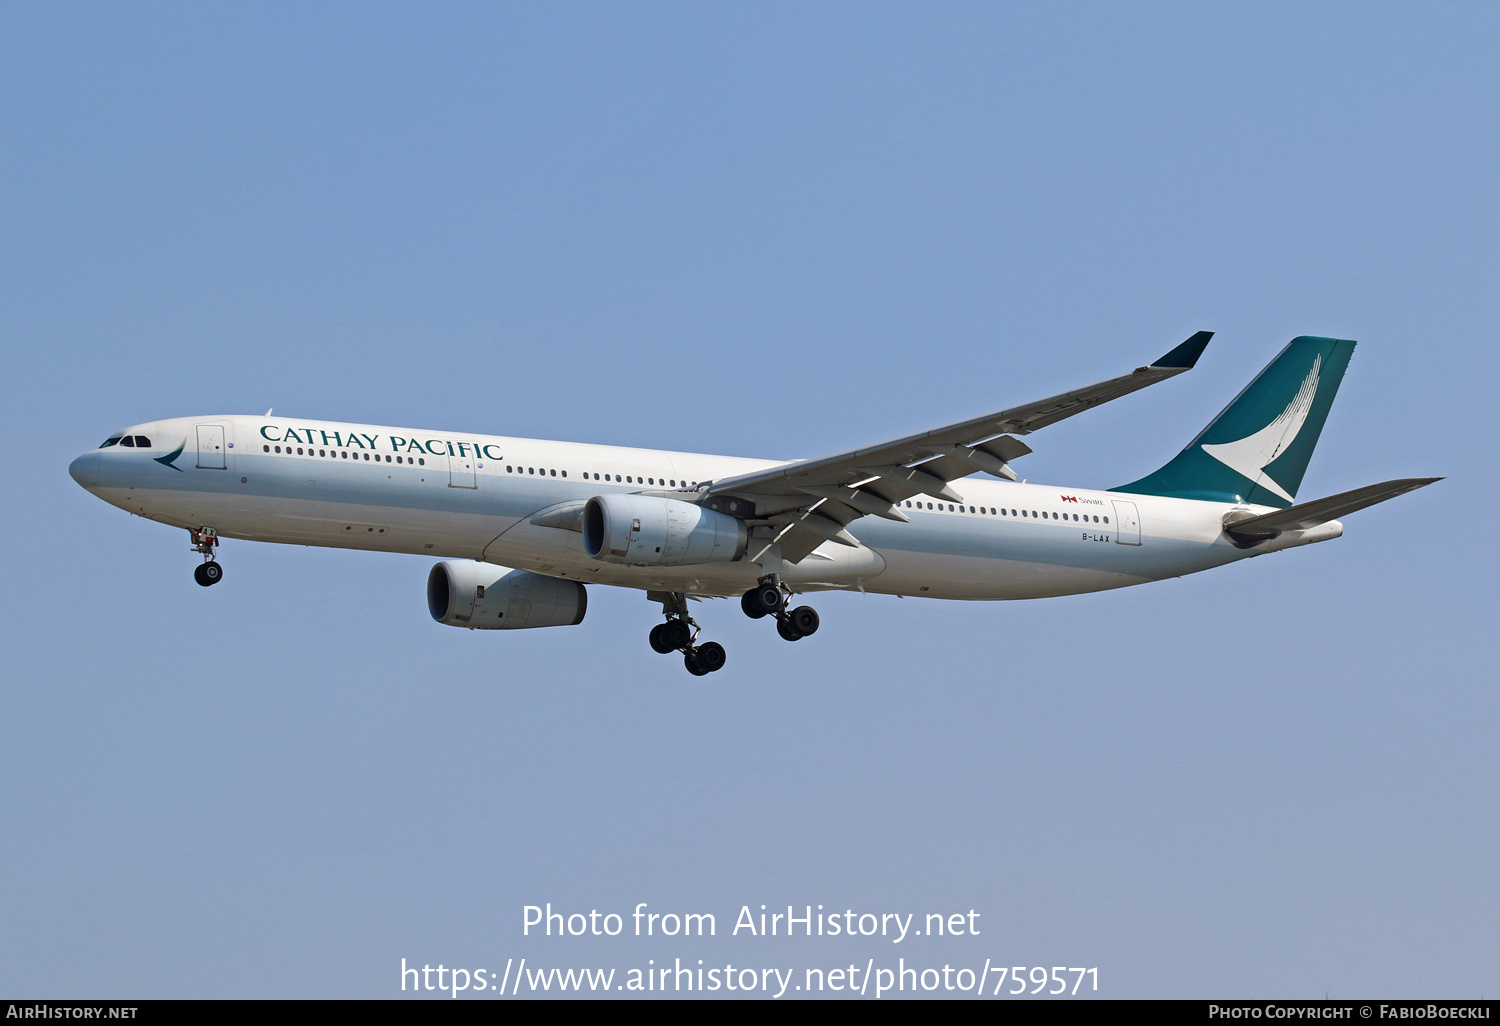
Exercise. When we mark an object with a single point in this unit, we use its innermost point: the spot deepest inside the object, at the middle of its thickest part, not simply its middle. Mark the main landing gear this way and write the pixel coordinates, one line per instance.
(680, 633)
(205, 540)
(769, 598)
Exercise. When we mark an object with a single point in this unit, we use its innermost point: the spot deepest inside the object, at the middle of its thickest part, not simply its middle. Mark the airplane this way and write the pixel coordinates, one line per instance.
(522, 526)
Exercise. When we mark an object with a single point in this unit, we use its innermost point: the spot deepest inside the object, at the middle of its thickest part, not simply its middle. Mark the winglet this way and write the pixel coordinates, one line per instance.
(1186, 355)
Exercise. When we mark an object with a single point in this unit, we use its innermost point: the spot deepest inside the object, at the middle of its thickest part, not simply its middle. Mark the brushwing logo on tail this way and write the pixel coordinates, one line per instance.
(1249, 456)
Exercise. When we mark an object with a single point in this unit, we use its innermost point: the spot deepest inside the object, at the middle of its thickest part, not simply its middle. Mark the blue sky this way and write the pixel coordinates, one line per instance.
(777, 231)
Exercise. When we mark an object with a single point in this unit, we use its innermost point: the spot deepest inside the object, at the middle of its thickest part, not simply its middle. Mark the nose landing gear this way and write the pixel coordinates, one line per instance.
(205, 540)
(768, 598)
(679, 634)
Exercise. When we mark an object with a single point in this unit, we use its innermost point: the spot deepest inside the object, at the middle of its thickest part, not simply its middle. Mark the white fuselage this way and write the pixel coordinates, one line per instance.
(444, 494)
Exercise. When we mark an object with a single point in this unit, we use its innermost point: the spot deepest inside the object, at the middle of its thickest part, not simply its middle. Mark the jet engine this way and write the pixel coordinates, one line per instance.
(483, 596)
(643, 530)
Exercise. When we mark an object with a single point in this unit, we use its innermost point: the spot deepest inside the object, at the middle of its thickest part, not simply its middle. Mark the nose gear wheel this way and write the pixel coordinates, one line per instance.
(205, 540)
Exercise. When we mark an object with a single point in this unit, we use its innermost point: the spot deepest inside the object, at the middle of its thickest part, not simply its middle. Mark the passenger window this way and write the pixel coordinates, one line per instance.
(1106, 520)
(265, 448)
(554, 473)
(421, 462)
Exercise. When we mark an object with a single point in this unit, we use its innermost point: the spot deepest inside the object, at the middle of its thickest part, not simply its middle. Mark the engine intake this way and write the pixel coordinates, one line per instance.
(644, 530)
(483, 596)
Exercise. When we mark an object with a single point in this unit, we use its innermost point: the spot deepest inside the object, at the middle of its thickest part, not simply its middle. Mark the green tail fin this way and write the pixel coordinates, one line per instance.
(1257, 450)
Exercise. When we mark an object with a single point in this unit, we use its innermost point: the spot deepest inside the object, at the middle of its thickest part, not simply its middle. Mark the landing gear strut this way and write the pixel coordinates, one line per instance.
(769, 598)
(680, 633)
(205, 540)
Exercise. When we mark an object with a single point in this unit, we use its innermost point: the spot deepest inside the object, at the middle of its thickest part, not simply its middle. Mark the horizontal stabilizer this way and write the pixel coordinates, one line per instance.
(1251, 529)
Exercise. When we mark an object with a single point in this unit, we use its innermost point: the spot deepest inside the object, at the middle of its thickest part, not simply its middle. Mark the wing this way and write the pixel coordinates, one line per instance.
(812, 501)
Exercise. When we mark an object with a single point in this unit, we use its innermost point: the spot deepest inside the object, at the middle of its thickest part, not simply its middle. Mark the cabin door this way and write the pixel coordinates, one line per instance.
(1127, 523)
(211, 446)
(461, 472)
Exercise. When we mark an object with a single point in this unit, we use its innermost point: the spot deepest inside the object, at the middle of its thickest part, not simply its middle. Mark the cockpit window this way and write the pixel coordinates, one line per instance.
(128, 442)
(142, 442)
(111, 440)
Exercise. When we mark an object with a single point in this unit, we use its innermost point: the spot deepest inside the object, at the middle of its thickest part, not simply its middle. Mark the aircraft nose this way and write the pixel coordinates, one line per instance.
(84, 470)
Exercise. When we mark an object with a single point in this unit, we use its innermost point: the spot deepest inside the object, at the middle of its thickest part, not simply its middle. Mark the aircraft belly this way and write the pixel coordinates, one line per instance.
(929, 575)
(986, 559)
(832, 566)
(318, 522)
(559, 552)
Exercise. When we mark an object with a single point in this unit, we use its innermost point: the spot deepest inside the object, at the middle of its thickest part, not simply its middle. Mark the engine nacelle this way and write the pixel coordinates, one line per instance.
(643, 530)
(483, 596)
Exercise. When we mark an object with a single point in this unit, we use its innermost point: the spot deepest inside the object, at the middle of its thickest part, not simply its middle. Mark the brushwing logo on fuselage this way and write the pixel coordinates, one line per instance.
(170, 459)
(1249, 456)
